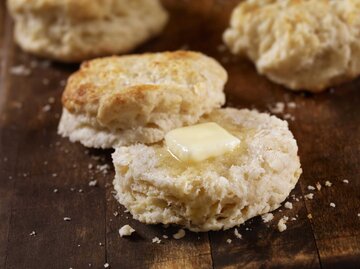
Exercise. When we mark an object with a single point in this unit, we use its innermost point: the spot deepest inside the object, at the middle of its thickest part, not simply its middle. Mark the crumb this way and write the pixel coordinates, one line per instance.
(358, 214)
(55, 190)
(328, 183)
(106, 265)
(309, 216)
(46, 108)
(293, 219)
(33, 64)
(72, 189)
(267, 217)
(332, 205)
(346, 181)
(62, 83)
(103, 168)
(54, 175)
(318, 186)
(100, 244)
(93, 183)
(309, 196)
(126, 230)
(237, 234)
(51, 100)
(45, 63)
(288, 116)
(278, 108)
(311, 188)
(228, 241)
(221, 48)
(67, 218)
(90, 166)
(225, 60)
(156, 240)
(180, 234)
(33, 233)
(116, 213)
(165, 236)
(291, 105)
(288, 205)
(282, 224)
(80, 190)
(20, 70)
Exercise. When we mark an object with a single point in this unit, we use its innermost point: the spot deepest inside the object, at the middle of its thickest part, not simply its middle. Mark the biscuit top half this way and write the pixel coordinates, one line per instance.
(81, 9)
(124, 92)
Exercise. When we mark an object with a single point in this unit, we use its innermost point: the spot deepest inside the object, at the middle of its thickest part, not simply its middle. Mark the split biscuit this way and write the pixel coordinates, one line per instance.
(220, 192)
(117, 101)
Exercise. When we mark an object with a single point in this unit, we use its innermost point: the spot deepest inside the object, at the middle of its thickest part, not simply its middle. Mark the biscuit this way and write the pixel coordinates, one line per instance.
(75, 30)
(218, 193)
(116, 101)
(304, 45)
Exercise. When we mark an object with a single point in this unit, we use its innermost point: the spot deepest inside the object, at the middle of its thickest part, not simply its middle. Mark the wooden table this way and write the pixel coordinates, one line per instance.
(44, 178)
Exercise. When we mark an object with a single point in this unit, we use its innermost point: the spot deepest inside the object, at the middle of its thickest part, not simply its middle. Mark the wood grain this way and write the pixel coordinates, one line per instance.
(35, 161)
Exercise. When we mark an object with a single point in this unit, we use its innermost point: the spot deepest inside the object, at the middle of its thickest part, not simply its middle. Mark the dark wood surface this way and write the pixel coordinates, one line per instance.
(34, 161)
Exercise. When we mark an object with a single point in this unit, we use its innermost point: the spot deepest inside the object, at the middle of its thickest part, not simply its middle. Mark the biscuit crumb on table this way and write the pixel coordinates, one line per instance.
(156, 240)
(267, 217)
(288, 205)
(282, 224)
(180, 234)
(328, 183)
(126, 230)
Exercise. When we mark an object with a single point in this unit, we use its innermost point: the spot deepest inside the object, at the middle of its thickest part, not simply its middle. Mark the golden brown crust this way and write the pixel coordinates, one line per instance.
(101, 77)
(117, 101)
(75, 9)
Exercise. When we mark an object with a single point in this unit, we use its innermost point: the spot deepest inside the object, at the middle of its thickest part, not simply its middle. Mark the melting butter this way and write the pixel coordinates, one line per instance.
(200, 142)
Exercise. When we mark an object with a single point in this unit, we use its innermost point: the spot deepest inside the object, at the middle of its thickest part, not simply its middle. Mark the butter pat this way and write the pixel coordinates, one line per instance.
(200, 142)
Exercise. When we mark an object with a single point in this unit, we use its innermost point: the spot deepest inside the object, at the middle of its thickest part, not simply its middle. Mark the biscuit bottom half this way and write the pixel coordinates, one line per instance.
(217, 193)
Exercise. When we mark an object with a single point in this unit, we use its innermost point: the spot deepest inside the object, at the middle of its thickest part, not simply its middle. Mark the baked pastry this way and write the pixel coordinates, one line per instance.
(304, 45)
(216, 193)
(118, 101)
(75, 30)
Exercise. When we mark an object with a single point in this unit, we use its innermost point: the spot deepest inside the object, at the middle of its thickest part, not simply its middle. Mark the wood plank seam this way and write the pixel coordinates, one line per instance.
(3, 91)
(311, 225)
(4, 59)
(211, 252)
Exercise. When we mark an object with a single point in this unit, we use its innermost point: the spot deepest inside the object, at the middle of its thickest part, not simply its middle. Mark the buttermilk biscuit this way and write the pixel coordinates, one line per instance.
(217, 193)
(118, 101)
(310, 44)
(75, 30)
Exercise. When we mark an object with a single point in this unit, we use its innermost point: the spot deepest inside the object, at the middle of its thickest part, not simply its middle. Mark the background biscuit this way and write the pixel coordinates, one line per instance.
(75, 30)
(307, 45)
